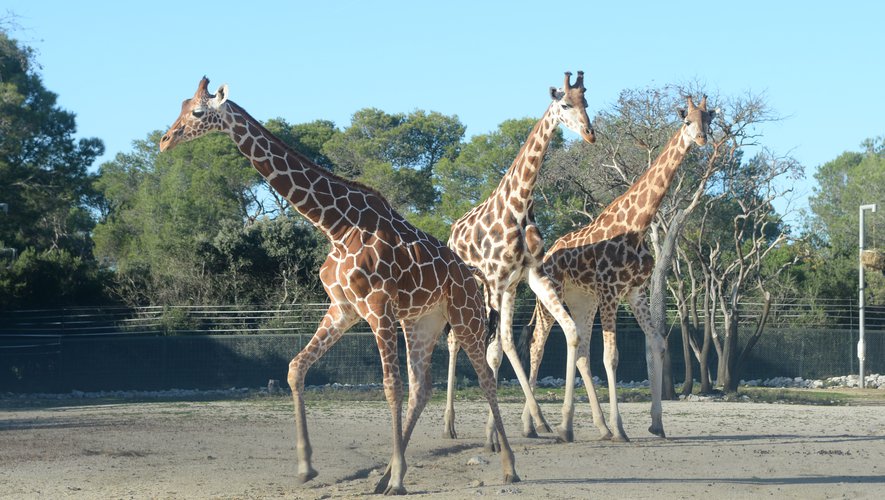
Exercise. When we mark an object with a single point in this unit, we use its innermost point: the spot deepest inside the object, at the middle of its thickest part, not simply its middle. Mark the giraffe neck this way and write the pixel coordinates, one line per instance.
(515, 188)
(634, 210)
(330, 203)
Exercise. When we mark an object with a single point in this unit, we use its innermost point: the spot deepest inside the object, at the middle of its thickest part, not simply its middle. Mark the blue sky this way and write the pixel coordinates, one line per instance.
(125, 67)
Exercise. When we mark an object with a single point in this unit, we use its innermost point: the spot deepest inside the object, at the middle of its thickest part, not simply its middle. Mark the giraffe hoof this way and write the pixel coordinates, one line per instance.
(531, 433)
(545, 427)
(566, 436)
(621, 438)
(605, 436)
(307, 476)
(657, 431)
(493, 447)
(395, 491)
(450, 434)
(511, 478)
(383, 483)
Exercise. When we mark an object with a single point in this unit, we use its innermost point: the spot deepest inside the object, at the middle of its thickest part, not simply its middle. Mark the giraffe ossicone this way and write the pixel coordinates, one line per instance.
(595, 267)
(380, 268)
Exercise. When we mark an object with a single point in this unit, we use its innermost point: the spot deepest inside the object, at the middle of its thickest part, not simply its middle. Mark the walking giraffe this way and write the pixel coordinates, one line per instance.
(380, 268)
(499, 238)
(607, 260)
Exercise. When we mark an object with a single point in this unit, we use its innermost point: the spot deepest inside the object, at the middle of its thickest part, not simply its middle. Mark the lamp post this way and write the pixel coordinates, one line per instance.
(861, 346)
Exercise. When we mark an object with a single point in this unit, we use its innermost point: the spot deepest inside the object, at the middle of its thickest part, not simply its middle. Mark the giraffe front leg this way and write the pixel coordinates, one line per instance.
(548, 295)
(420, 341)
(385, 336)
(449, 419)
(332, 326)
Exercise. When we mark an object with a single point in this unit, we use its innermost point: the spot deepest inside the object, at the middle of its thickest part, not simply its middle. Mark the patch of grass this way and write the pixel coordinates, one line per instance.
(837, 396)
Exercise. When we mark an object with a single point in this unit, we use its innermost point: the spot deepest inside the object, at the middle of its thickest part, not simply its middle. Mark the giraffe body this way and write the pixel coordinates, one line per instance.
(500, 239)
(597, 266)
(380, 268)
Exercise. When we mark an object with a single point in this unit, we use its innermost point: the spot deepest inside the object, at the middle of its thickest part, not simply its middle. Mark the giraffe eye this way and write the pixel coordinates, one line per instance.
(198, 113)
(566, 106)
(687, 122)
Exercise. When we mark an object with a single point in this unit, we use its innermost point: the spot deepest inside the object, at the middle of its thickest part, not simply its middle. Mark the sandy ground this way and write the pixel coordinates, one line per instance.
(246, 449)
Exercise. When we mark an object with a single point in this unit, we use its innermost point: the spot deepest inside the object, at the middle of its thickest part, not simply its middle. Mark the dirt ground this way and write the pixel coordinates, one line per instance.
(246, 449)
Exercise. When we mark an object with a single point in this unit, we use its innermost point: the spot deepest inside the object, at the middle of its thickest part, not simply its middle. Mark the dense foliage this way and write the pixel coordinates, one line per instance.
(45, 191)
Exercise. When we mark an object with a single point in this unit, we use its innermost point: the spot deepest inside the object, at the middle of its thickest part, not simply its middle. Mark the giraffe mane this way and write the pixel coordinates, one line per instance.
(303, 158)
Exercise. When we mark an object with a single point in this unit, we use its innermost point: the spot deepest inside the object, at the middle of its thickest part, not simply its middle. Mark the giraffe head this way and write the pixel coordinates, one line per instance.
(199, 115)
(570, 107)
(696, 121)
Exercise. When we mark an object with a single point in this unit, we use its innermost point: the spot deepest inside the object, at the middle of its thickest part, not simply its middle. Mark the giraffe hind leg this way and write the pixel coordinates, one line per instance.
(540, 332)
(449, 418)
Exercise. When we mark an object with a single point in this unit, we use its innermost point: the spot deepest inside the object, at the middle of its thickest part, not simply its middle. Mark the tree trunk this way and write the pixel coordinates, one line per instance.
(657, 293)
(704, 362)
(727, 377)
(688, 384)
(754, 338)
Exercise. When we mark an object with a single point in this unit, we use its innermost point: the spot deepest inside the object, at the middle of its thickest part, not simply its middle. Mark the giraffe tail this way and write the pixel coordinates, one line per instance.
(528, 333)
(492, 325)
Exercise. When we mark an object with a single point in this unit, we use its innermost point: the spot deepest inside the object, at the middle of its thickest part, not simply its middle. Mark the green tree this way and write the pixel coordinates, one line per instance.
(45, 187)
(468, 179)
(396, 154)
(157, 211)
(43, 171)
(271, 261)
(850, 180)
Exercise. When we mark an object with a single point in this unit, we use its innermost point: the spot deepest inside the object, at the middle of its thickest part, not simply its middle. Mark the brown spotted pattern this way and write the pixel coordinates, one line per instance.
(595, 267)
(380, 268)
(500, 239)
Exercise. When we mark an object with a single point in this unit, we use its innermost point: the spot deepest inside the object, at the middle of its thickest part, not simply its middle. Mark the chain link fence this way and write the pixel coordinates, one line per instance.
(154, 348)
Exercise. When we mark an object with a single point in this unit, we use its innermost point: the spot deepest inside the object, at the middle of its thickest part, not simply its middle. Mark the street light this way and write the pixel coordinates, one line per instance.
(861, 347)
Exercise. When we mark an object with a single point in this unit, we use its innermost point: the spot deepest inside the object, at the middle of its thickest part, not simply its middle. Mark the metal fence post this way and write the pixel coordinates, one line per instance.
(861, 347)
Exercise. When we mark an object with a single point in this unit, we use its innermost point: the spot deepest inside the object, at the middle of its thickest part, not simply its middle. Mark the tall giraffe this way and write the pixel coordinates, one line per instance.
(607, 260)
(499, 238)
(380, 268)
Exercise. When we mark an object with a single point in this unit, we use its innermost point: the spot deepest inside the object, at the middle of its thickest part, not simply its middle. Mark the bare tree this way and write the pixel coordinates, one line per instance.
(737, 264)
(629, 137)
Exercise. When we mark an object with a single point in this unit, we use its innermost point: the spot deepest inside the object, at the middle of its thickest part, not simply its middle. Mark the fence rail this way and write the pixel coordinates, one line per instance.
(222, 346)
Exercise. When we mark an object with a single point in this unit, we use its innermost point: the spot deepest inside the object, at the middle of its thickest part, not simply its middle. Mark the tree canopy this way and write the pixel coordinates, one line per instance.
(45, 186)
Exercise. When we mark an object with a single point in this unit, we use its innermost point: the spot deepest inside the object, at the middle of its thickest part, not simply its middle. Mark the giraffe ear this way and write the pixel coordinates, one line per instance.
(681, 112)
(556, 94)
(220, 97)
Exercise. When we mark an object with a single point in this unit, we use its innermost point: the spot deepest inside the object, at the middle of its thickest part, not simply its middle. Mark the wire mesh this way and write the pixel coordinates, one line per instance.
(92, 349)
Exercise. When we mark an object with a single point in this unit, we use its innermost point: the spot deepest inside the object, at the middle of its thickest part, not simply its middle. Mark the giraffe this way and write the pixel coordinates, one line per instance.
(380, 268)
(598, 265)
(499, 238)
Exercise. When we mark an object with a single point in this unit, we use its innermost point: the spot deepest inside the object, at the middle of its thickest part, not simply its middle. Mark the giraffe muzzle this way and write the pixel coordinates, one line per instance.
(169, 140)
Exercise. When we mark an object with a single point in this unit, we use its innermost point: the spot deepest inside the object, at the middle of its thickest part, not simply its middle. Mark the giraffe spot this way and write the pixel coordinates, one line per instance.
(247, 145)
(277, 150)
